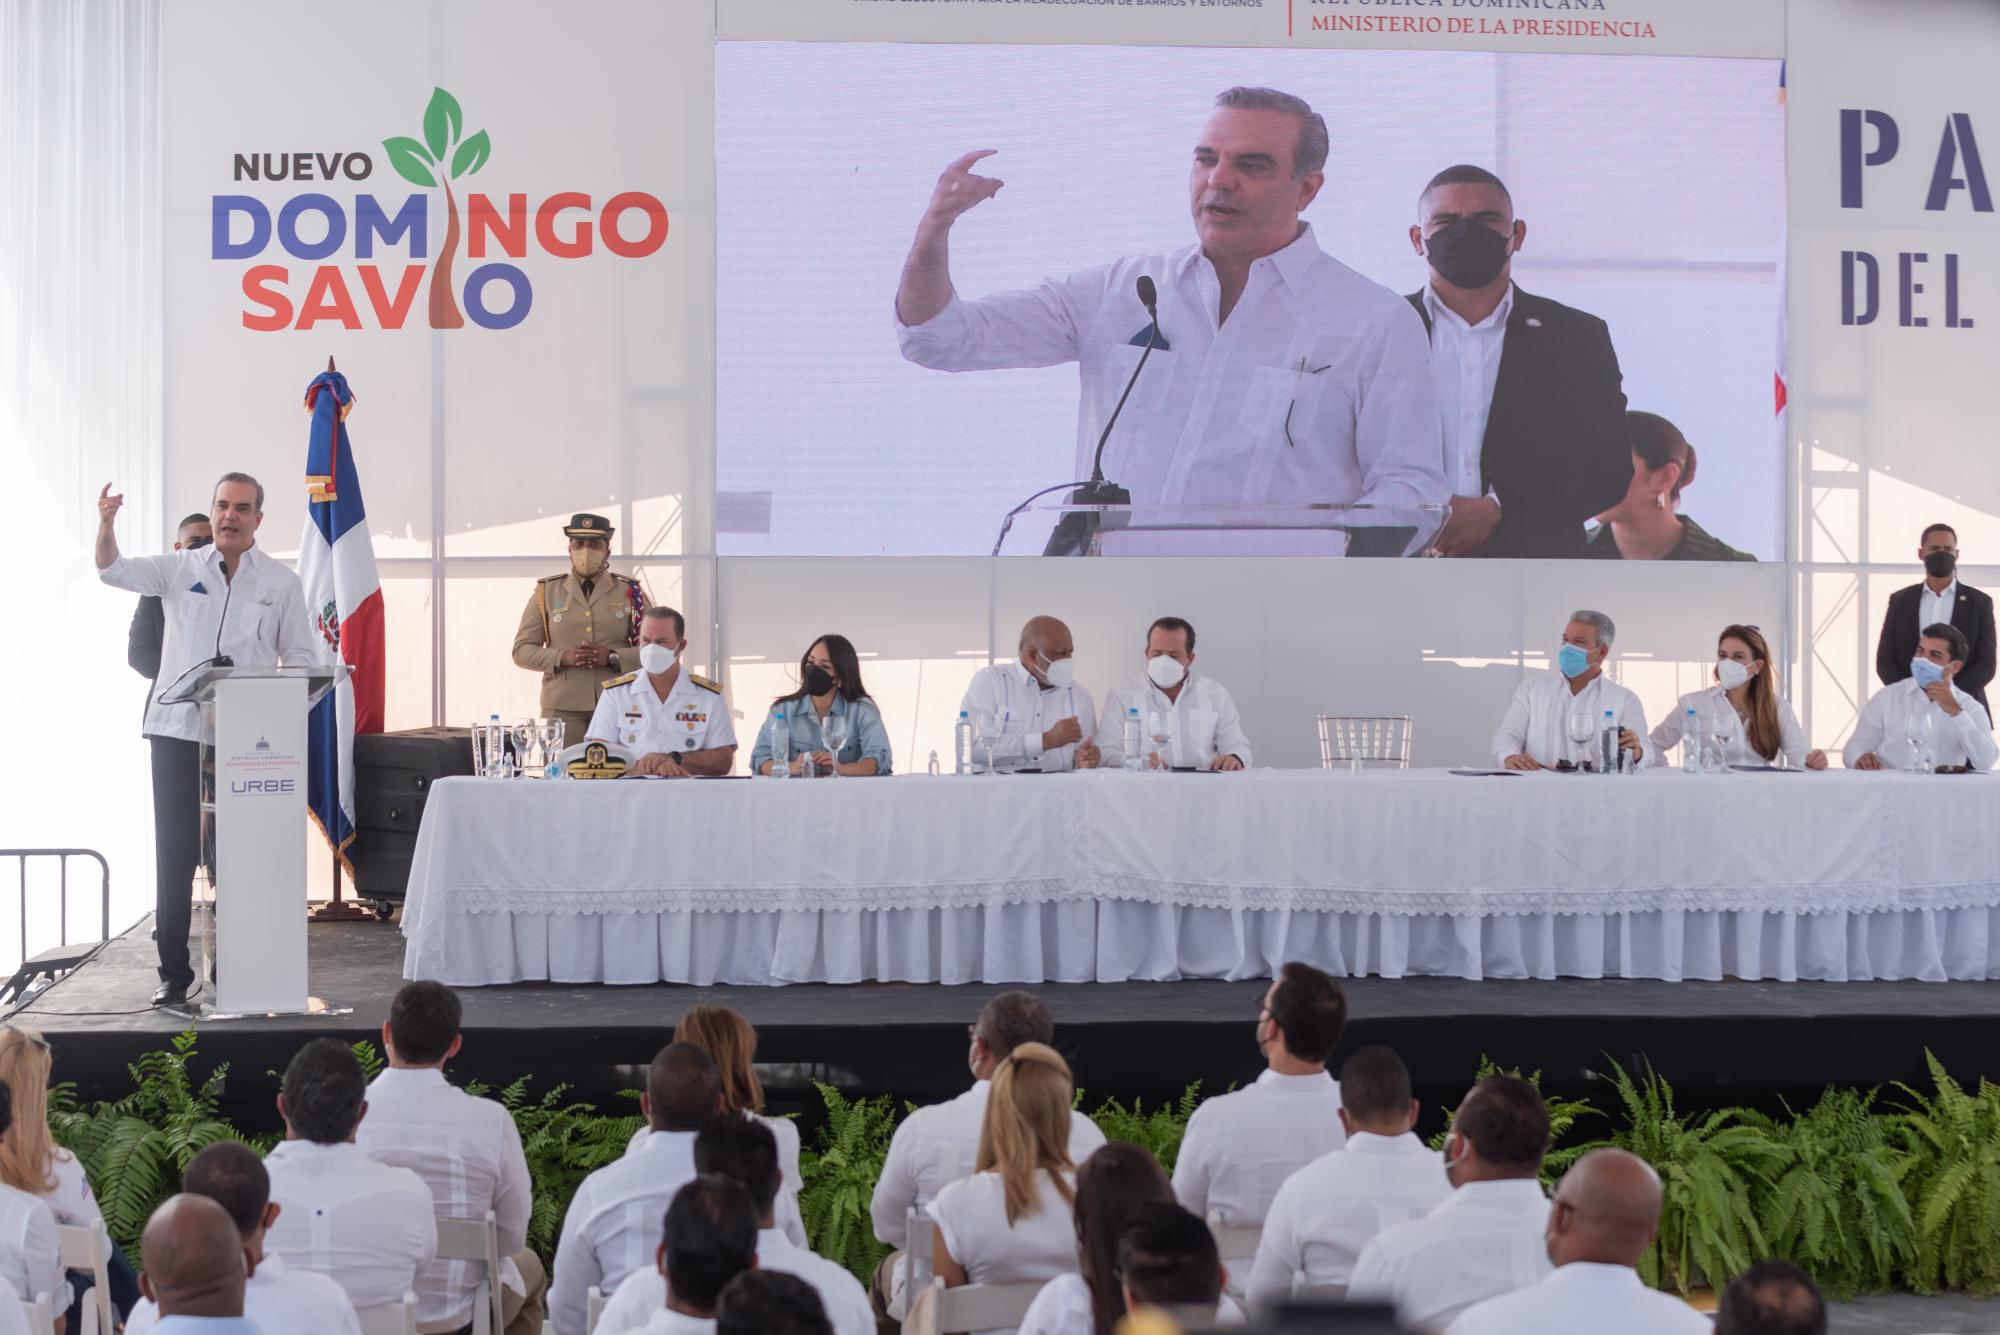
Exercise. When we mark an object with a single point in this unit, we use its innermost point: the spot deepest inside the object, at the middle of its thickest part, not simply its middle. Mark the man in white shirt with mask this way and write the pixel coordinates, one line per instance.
(675, 722)
(1383, 1176)
(1535, 732)
(1277, 374)
(466, 1149)
(1960, 734)
(1240, 1147)
(1207, 730)
(937, 1145)
(1047, 720)
(1606, 1214)
(612, 1227)
(1486, 1238)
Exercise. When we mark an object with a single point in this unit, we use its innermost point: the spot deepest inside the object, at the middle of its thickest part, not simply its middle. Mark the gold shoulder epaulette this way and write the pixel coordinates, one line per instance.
(554, 579)
(620, 681)
(705, 683)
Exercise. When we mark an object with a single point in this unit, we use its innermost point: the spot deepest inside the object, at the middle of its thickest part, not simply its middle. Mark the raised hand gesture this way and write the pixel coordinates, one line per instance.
(960, 188)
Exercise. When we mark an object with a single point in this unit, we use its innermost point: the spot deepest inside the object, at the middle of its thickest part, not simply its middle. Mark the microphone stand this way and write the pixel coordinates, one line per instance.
(1078, 529)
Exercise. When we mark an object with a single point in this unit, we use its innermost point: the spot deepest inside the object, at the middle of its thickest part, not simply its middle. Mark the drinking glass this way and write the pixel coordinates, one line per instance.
(833, 736)
(1160, 727)
(1917, 731)
(1722, 727)
(524, 734)
(985, 732)
(549, 732)
(1582, 730)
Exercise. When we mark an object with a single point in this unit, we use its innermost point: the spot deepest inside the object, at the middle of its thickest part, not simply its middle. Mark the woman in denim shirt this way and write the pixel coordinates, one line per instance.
(830, 674)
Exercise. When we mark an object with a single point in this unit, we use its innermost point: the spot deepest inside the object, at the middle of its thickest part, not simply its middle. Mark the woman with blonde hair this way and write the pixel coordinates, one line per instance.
(1013, 1221)
(31, 1161)
(1765, 731)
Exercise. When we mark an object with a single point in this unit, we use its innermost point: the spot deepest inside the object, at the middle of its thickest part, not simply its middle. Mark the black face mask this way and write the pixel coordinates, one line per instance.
(1466, 253)
(196, 544)
(1940, 564)
(818, 681)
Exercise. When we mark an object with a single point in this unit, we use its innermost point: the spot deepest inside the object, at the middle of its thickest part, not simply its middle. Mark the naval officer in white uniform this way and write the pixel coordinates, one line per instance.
(677, 723)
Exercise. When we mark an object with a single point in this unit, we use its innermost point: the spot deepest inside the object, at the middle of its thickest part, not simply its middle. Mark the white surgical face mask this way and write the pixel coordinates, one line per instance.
(1165, 672)
(656, 658)
(1060, 672)
(1731, 673)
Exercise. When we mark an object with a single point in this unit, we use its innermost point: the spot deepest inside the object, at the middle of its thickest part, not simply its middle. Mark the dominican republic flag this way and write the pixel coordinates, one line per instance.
(344, 601)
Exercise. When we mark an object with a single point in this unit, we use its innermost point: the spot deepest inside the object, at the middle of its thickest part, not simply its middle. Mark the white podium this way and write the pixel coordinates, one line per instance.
(254, 729)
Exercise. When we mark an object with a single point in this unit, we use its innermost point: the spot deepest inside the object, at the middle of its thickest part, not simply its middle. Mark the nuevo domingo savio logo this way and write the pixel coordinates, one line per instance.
(494, 294)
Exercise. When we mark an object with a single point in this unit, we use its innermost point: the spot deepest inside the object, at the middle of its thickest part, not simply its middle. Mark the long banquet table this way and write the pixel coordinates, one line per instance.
(1113, 876)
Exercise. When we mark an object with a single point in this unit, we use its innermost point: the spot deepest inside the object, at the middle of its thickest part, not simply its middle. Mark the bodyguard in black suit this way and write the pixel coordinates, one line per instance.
(1553, 451)
(149, 619)
(1971, 612)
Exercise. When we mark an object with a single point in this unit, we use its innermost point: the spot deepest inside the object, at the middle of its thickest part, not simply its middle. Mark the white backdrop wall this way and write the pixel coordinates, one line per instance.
(473, 442)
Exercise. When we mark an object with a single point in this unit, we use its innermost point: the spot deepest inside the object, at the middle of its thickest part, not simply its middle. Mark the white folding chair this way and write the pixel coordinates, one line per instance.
(910, 1266)
(82, 1247)
(1235, 1243)
(39, 1316)
(476, 1240)
(1373, 742)
(398, 1318)
(979, 1306)
(593, 1309)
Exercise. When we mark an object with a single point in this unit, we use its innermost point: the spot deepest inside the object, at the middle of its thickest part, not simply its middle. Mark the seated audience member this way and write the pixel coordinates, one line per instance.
(1647, 524)
(467, 1151)
(31, 1161)
(1327, 1211)
(765, 1302)
(744, 1150)
(1013, 1221)
(1534, 733)
(370, 1227)
(609, 1230)
(1771, 1298)
(1207, 730)
(277, 1300)
(1110, 1185)
(30, 1257)
(938, 1145)
(1606, 1214)
(1485, 1239)
(1960, 733)
(1240, 1147)
(196, 1268)
(1747, 686)
(1167, 1260)
(709, 1239)
(829, 686)
(731, 1042)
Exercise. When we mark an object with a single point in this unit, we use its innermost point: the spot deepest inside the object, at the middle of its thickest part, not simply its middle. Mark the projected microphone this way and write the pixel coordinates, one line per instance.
(1073, 535)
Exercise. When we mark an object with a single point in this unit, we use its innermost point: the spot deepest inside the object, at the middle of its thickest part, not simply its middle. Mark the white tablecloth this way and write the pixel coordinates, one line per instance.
(1110, 876)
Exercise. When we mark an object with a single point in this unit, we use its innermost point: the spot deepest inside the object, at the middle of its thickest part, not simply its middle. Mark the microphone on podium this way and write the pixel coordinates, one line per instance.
(1073, 535)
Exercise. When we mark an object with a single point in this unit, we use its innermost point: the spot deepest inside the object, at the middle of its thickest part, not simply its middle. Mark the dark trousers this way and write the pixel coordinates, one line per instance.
(176, 849)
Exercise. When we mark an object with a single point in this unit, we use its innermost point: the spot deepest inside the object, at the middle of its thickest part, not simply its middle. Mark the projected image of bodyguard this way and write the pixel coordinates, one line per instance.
(1528, 389)
(1274, 373)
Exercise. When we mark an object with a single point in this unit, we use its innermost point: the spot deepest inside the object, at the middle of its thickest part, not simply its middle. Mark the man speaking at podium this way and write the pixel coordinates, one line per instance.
(228, 604)
(1277, 374)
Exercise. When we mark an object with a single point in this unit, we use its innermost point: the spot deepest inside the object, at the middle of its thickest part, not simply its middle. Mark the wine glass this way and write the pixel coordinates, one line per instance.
(524, 734)
(1722, 727)
(1160, 727)
(985, 732)
(549, 732)
(1582, 728)
(833, 736)
(1917, 731)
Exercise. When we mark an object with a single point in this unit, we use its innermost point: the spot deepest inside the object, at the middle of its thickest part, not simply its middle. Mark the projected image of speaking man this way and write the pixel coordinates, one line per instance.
(1279, 375)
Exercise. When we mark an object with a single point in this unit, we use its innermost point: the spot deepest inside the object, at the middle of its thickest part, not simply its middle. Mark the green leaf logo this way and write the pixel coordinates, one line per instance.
(442, 123)
(471, 155)
(407, 156)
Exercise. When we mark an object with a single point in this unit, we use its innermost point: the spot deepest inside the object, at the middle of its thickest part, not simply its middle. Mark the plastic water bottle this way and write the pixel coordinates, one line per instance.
(1691, 740)
(780, 733)
(961, 737)
(1607, 744)
(1135, 739)
(490, 743)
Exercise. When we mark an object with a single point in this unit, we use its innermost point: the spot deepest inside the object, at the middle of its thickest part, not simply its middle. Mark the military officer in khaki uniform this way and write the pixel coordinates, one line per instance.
(579, 628)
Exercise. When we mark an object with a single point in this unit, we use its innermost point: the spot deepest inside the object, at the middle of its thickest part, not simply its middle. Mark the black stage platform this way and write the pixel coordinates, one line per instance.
(1717, 1042)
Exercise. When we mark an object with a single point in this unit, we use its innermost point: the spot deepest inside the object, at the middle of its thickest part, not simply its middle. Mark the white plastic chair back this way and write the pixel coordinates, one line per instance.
(1235, 1243)
(1378, 742)
(980, 1306)
(389, 1318)
(476, 1240)
(912, 1218)
(82, 1247)
(40, 1318)
(593, 1309)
